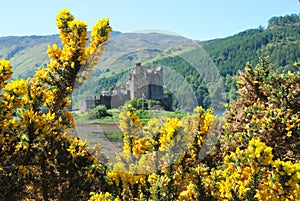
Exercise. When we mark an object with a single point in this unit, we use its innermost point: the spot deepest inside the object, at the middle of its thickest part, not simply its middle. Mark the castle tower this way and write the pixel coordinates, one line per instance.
(147, 80)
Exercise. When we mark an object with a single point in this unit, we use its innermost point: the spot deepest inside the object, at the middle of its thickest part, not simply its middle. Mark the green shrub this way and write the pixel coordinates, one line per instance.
(100, 111)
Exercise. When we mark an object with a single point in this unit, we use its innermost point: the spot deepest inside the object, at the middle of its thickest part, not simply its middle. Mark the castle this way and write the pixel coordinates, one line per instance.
(143, 82)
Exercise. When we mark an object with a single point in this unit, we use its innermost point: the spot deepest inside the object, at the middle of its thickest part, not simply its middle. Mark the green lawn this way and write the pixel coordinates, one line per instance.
(144, 115)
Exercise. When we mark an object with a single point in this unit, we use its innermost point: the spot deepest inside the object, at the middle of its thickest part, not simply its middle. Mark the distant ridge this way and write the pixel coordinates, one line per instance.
(26, 53)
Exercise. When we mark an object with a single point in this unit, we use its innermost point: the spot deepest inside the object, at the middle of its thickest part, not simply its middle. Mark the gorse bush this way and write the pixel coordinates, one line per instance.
(161, 161)
(38, 159)
(160, 158)
(268, 108)
(257, 157)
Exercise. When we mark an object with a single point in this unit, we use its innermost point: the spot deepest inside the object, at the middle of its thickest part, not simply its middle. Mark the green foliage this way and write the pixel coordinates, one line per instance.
(153, 103)
(280, 42)
(143, 114)
(230, 55)
(108, 82)
(231, 87)
(283, 21)
(138, 103)
(101, 111)
(191, 75)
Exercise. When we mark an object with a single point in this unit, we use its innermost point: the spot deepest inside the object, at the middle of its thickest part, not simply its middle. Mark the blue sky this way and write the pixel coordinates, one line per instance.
(196, 19)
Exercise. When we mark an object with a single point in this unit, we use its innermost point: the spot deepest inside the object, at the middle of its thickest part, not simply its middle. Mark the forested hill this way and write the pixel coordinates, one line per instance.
(280, 40)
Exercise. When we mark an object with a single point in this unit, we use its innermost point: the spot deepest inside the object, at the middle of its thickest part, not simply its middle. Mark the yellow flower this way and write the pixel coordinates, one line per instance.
(24, 137)
(289, 126)
(17, 87)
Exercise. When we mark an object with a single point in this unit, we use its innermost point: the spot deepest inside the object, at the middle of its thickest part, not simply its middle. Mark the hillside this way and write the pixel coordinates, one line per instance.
(26, 53)
(280, 40)
(126, 49)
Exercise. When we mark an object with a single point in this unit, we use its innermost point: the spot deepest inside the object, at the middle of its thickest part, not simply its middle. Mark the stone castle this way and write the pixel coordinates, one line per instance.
(143, 82)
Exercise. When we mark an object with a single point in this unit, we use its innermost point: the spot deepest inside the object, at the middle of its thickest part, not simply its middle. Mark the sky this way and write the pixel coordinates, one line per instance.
(195, 19)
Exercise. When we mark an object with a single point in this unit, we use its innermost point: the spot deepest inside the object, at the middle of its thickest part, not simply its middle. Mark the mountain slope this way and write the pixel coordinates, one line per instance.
(26, 53)
(281, 41)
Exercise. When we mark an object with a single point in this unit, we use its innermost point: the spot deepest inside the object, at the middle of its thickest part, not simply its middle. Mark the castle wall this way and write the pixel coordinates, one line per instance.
(105, 100)
(167, 102)
(155, 92)
(86, 105)
(119, 100)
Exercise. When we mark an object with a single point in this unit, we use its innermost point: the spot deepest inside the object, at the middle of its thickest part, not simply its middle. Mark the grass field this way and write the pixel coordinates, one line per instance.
(144, 116)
